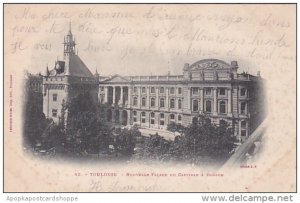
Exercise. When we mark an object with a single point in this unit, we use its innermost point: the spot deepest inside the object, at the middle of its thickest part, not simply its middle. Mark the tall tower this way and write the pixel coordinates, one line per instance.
(68, 78)
(69, 44)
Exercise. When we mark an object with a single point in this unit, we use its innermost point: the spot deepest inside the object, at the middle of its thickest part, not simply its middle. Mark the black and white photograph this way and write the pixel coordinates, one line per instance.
(150, 97)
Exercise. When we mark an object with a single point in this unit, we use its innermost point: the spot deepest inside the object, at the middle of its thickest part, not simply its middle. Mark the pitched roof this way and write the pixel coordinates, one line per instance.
(77, 67)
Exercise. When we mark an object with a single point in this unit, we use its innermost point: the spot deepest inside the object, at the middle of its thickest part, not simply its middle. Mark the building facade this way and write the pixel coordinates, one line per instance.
(208, 87)
(68, 78)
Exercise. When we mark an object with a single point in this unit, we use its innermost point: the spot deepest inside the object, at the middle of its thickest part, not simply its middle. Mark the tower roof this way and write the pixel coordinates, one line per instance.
(77, 67)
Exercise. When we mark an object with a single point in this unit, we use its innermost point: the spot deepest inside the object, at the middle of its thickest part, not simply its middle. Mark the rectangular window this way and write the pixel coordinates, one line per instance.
(179, 90)
(243, 108)
(143, 90)
(135, 89)
(54, 112)
(143, 120)
(243, 132)
(222, 91)
(152, 102)
(243, 92)
(195, 91)
(162, 122)
(162, 103)
(208, 106)
(143, 101)
(195, 105)
(134, 119)
(179, 104)
(172, 103)
(152, 121)
(54, 97)
(207, 91)
(134, 101)
(222, 107)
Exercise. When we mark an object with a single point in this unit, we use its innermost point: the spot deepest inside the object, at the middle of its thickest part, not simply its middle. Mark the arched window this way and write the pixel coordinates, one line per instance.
(172, 116)
(152, 90)
(152, 102)
(179, 104)
(208, 106)
(143, 101)
(134, 101)
(195, 105)
(172, 90)
(135, 89)
(152, 114)
(179, 117)
(161, 90)
(143, 89)
(162, 102)
(222, 107)
(172, 103)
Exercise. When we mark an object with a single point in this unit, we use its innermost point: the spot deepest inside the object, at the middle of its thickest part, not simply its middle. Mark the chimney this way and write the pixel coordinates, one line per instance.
(186, 66)
(234, 67)
(234, 64)
(258, 74)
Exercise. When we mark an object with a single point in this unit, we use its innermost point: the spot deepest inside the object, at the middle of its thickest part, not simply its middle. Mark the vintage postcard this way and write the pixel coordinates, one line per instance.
(149, 98)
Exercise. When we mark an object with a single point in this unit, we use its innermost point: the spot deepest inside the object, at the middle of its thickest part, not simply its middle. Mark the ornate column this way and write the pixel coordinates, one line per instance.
(201, 101)
(129, 96)
(148, 98)
(157, 98)
(129, 117)
(114, 94)
(167, 99)
(189, 98)
(139, 97)
(106, 94)
(229, 102)
(121, 96)
(215, 110)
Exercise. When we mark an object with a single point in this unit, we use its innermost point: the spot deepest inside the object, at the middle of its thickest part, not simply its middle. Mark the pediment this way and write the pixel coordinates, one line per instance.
(210, 64)
(116, 79)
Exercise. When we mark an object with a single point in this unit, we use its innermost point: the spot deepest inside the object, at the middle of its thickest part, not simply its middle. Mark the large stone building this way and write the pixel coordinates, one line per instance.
(207, 87)
(67, 79)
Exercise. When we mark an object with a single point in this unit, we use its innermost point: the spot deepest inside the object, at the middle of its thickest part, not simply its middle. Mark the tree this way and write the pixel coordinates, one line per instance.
(34, 121)
(124, 141)
(155, 148)
(86, 130)
(204, 139)
(175, 127)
